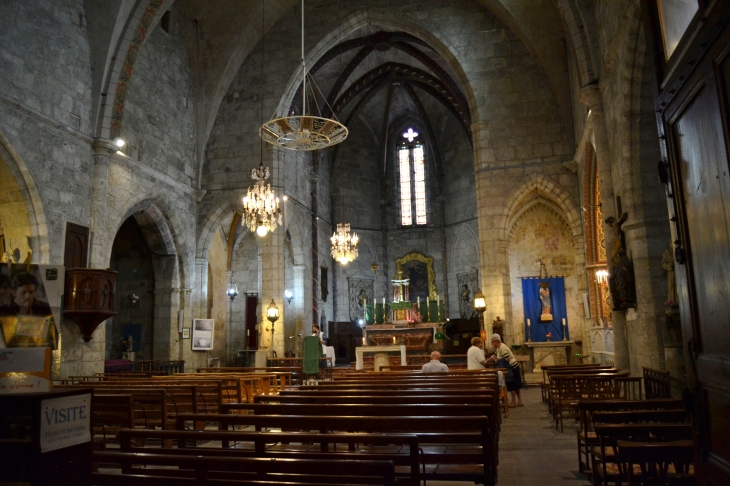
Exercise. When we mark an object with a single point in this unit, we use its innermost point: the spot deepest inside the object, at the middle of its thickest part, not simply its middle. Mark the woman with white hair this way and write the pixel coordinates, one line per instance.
(502, 351)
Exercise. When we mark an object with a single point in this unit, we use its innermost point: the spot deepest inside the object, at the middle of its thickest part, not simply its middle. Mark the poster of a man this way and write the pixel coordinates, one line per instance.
(25, 318)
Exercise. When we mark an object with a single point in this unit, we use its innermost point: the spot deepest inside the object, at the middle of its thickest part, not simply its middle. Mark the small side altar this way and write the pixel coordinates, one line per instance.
(549, 353)
(381, 354)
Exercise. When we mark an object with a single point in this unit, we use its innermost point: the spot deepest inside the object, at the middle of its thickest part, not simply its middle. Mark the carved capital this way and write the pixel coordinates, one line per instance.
(590, 95)
(104, 147)
(199, 193)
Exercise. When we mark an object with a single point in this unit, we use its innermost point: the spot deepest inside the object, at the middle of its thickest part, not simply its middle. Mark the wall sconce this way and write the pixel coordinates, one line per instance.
(602, 277)
(232, 291)
(480, 305)
(133, 299)
(272, 313)
(288, 296)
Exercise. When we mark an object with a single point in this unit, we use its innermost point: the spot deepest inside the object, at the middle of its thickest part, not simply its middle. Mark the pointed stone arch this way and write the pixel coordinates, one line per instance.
(19, 187)
(540, 186)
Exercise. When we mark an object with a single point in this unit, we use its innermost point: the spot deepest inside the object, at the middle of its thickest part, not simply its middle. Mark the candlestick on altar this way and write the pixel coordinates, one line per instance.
(393, 339)
(565, 336)
(364, 342)
(529, 335)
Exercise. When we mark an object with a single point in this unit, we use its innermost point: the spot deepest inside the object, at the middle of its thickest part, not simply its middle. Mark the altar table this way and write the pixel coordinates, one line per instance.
(379, 352)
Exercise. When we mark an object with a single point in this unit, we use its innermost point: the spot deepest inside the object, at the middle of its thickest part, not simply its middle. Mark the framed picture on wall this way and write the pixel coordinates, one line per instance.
(202, 334)
(186, 333)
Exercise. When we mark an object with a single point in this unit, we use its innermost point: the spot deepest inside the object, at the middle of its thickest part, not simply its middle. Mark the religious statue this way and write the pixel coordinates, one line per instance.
(668, 266)
(546, 313)
(498, 327)
(466, 310)
(621, 283)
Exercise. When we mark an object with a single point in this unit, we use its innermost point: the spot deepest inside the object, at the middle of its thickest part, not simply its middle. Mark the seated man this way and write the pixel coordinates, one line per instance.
(435, 365)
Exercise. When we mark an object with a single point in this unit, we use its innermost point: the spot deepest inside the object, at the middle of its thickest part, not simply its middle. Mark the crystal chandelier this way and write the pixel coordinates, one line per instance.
(344, 244)
(308, 131)
(261, 211)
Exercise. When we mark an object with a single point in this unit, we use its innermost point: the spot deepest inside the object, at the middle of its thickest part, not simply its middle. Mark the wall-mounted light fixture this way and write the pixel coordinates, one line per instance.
(480, 305)
(232, 291)
(133, 299)
(288, 296)
(272, 313)
(602, 277)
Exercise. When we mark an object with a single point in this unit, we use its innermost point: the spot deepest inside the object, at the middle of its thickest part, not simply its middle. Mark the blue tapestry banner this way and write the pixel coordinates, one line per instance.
(547, 301)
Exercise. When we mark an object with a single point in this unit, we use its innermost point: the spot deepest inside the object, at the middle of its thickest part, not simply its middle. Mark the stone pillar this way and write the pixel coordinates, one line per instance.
(493, 261)
(103, 150)
(199, 302)
(591, 96)
(78, 357)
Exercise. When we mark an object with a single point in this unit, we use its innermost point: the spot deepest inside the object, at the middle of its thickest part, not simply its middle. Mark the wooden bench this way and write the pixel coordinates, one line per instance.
(293, 445)
(174, 470)
(455, 448)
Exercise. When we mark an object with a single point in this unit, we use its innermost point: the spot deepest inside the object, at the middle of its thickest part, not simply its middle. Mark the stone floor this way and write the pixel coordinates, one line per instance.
(531, 451)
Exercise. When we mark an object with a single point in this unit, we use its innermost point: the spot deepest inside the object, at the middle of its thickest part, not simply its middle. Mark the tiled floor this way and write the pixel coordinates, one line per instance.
(531, 451)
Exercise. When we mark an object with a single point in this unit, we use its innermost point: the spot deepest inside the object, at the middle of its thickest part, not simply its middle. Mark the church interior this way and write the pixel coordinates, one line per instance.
(401, 174)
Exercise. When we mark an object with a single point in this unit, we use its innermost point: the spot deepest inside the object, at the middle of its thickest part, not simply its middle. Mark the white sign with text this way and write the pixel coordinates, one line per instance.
(65, 421)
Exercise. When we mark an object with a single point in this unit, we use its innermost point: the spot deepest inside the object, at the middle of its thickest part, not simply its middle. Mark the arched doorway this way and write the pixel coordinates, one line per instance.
(144, 253)
(132, 258)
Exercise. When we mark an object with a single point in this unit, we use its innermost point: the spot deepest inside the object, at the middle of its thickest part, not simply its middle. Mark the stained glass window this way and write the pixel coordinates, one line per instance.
(412, 180)
(419, 183)
(404, 164)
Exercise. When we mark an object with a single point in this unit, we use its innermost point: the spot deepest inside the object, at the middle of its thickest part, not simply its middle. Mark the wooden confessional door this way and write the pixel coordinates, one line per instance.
(693, 107)
(344, 337)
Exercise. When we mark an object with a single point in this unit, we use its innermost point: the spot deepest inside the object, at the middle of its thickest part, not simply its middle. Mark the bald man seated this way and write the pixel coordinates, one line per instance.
(435, 365)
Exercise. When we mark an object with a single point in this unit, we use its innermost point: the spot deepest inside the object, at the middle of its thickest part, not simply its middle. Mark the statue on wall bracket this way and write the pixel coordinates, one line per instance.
(621, 269)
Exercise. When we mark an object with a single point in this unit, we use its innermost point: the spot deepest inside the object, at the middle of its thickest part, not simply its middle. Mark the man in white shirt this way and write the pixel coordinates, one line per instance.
(475, 355)
(435, 365)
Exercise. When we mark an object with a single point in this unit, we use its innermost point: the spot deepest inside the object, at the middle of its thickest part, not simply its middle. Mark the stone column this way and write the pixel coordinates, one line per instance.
(493, 261)
(103, 150)
(591, 96)
(199, 301)
(78, 357)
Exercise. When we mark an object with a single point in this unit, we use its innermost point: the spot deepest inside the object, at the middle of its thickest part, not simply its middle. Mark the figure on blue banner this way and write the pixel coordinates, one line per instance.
(546, 313)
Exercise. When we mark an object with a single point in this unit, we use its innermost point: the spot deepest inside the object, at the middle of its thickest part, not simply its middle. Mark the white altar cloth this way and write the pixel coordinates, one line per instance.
(361, 350)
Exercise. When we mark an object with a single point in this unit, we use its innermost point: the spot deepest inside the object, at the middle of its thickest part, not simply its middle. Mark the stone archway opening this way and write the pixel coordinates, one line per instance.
(143, 252)
(16, 232)
(132, 258)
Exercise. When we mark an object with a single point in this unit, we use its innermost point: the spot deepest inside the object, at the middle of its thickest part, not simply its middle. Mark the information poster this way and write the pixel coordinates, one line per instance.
(30, 305)
(203, 334)
(65, 421)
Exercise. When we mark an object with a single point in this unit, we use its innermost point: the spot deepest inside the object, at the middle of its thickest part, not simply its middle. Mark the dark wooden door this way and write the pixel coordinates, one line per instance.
(76, 248)
(345, 337)
(252, 302)
(692, 104)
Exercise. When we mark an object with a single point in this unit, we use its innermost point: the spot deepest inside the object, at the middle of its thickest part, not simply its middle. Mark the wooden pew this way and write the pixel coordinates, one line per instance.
(449, 442)
(175, 470)
(294, 445)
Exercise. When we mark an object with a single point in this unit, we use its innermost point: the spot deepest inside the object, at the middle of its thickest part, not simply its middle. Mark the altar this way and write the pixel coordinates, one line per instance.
(415, 336)
(380, 355)
(549, 353)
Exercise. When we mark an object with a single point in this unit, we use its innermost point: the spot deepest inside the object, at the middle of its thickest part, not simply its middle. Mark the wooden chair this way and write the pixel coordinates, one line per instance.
(608, 464)
(656, 383)
(656, 463)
